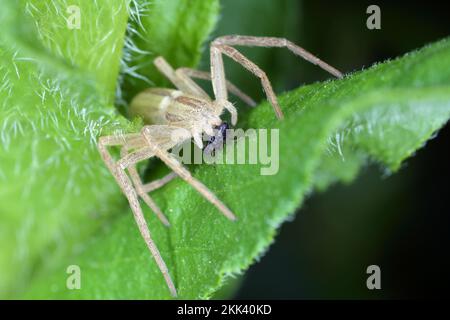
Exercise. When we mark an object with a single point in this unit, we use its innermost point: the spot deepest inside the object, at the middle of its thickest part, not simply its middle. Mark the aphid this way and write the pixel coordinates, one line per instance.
(167, 111)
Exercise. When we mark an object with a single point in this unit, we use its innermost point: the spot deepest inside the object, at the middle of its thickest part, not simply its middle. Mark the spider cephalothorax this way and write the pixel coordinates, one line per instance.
(166, 111)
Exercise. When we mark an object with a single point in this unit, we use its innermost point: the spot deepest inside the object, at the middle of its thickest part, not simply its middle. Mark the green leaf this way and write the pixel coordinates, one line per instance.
(58, 86)
(331, 129)
(56, 93)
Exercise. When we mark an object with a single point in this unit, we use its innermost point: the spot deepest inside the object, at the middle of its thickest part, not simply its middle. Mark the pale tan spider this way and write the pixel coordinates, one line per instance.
(167, 111)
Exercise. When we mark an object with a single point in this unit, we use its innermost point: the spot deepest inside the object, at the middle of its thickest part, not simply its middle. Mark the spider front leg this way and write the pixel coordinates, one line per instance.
(182, 78)
(218, 75)
(179, 80)
(178, 168)
(224, 45)
(204, 75)
(118, 171)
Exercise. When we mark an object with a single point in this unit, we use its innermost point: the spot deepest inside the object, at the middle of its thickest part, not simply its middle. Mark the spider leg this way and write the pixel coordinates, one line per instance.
(110, 141)
(219, 84)
(178, 168)
(204, 75)
(118, 170)
(142, 190)
(179, 79)
(252, 41)
(156, 184)
(223, 45)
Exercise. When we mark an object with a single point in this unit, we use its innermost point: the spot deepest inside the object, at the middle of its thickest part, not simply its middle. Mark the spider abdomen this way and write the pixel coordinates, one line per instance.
(165, 106)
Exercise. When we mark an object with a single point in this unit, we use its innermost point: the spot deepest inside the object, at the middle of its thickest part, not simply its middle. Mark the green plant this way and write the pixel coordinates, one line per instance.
(58, 204)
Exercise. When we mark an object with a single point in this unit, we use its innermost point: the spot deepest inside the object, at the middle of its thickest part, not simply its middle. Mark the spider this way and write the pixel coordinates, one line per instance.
(189, 108)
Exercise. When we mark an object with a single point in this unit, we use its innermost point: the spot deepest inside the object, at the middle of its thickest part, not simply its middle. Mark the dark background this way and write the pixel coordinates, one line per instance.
(399, 222)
